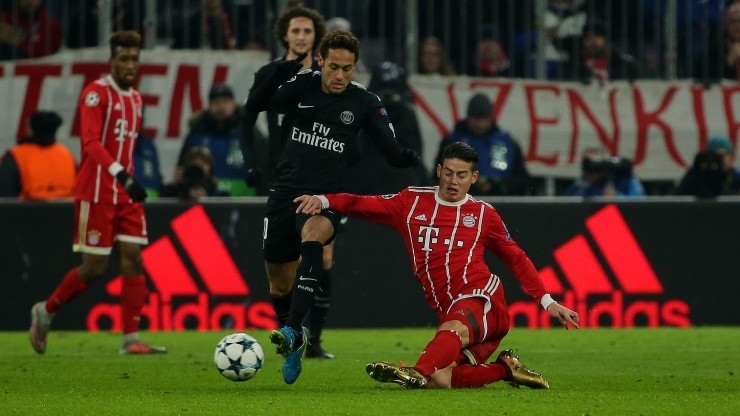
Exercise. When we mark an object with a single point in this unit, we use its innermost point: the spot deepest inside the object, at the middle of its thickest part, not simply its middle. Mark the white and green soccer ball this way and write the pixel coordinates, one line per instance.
(238, 357)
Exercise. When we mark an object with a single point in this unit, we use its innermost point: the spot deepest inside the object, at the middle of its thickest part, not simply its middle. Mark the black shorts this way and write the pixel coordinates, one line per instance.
(281, 229)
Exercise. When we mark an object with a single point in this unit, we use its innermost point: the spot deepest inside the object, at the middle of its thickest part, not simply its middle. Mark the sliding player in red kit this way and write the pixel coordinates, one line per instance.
(446, 232)
(108, 200)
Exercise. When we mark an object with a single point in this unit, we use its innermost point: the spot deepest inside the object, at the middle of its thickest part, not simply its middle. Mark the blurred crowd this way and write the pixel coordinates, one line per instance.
(587, 41)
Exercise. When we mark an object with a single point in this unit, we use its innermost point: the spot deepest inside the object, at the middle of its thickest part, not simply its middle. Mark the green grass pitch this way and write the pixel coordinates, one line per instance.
(591, 372)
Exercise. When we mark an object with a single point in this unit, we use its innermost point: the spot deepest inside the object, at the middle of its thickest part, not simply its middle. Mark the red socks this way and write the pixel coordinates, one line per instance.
(477, 376)
(70, 287)
(439, 353)
(133, 297)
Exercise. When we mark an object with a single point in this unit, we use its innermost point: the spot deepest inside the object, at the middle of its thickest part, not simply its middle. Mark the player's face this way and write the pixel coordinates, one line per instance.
(336, 70)
(455, 179)
(125, 66)
(300, 37)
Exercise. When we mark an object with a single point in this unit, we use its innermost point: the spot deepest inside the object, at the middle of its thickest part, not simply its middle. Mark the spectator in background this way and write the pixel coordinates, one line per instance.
(713, 172)
(732, 36)
(39, 168)
(29, 31)
(146, 165)
(433, 58)
(194, 180)
(219, 128)
(604, 175)
(600, 61)
(563, 22)
(721, 60)
(502, 168)
(208, 28)
(371, 175)
(491, 60)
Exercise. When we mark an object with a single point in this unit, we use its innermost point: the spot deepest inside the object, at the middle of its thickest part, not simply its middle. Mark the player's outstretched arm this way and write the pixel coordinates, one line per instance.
(308, 204)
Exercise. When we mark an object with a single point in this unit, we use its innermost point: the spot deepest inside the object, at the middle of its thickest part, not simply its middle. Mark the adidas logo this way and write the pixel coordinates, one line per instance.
(117, 107)
(172, 278)
(605, 269)
(421, 217)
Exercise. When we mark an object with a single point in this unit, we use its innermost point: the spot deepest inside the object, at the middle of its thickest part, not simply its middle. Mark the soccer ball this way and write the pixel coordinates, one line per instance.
(238, 357)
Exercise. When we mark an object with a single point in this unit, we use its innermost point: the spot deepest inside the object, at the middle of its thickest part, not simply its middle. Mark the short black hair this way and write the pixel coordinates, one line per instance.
(462, 151)
(124, 39)
(283, 23)
(339, 39)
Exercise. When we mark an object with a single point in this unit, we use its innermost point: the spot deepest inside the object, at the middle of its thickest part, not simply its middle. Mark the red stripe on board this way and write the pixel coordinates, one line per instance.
(581, 268)
(208, 253)
(622, 252)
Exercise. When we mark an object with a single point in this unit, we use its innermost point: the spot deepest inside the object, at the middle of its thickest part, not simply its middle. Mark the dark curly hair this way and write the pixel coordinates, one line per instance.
(340, 39)
(462, 151)
(124, 39)
(283, 23)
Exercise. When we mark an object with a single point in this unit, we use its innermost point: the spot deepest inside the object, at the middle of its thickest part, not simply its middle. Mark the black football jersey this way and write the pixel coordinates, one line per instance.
(321, 131)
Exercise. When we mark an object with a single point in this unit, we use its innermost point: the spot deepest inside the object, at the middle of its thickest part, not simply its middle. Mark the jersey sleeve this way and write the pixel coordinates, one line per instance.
(93, 105)
(498, 240)
(381, 209)
(288, 94)
(380, 128)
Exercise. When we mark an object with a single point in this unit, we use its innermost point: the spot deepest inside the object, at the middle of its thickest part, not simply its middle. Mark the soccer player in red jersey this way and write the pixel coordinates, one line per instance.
(108, 200)
(446, 232)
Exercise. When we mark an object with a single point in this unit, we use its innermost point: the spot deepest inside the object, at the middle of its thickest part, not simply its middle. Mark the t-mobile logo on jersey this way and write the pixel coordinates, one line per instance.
(318, 138)
(121, 130)
(428, 236)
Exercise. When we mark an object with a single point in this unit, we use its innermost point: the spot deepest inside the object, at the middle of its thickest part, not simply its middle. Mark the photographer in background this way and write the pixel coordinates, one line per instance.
(604, 175)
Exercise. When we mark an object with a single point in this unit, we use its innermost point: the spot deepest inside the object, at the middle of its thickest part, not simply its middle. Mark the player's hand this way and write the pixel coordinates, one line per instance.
(253, 177)
(563, 314)
(132, 187)
(410, 157)
(308, 204)
(285, 70)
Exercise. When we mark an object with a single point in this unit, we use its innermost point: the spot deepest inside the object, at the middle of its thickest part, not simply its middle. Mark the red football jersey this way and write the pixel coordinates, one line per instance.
(446, 241)
(110, 122)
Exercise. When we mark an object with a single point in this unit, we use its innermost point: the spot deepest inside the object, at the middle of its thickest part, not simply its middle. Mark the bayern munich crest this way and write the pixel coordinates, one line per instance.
(347, 117)
(469, 220)
(93, 237)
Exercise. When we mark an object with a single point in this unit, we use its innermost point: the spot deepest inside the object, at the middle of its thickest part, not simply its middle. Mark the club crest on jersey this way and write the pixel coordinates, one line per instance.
(469, 220)
(347, 117)
(92, 99)
(383, 111)
(93, 237)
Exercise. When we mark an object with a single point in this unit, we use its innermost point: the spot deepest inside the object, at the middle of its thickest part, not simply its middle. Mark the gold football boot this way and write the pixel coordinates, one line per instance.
(519, 373)
(388, 373)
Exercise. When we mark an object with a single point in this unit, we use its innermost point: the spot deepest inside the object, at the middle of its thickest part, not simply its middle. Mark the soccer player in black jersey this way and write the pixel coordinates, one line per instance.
(299, 29)
(324, 112)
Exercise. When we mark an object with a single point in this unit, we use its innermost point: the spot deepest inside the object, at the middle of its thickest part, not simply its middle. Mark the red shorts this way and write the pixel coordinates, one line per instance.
(97, 226)
(487, 319)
